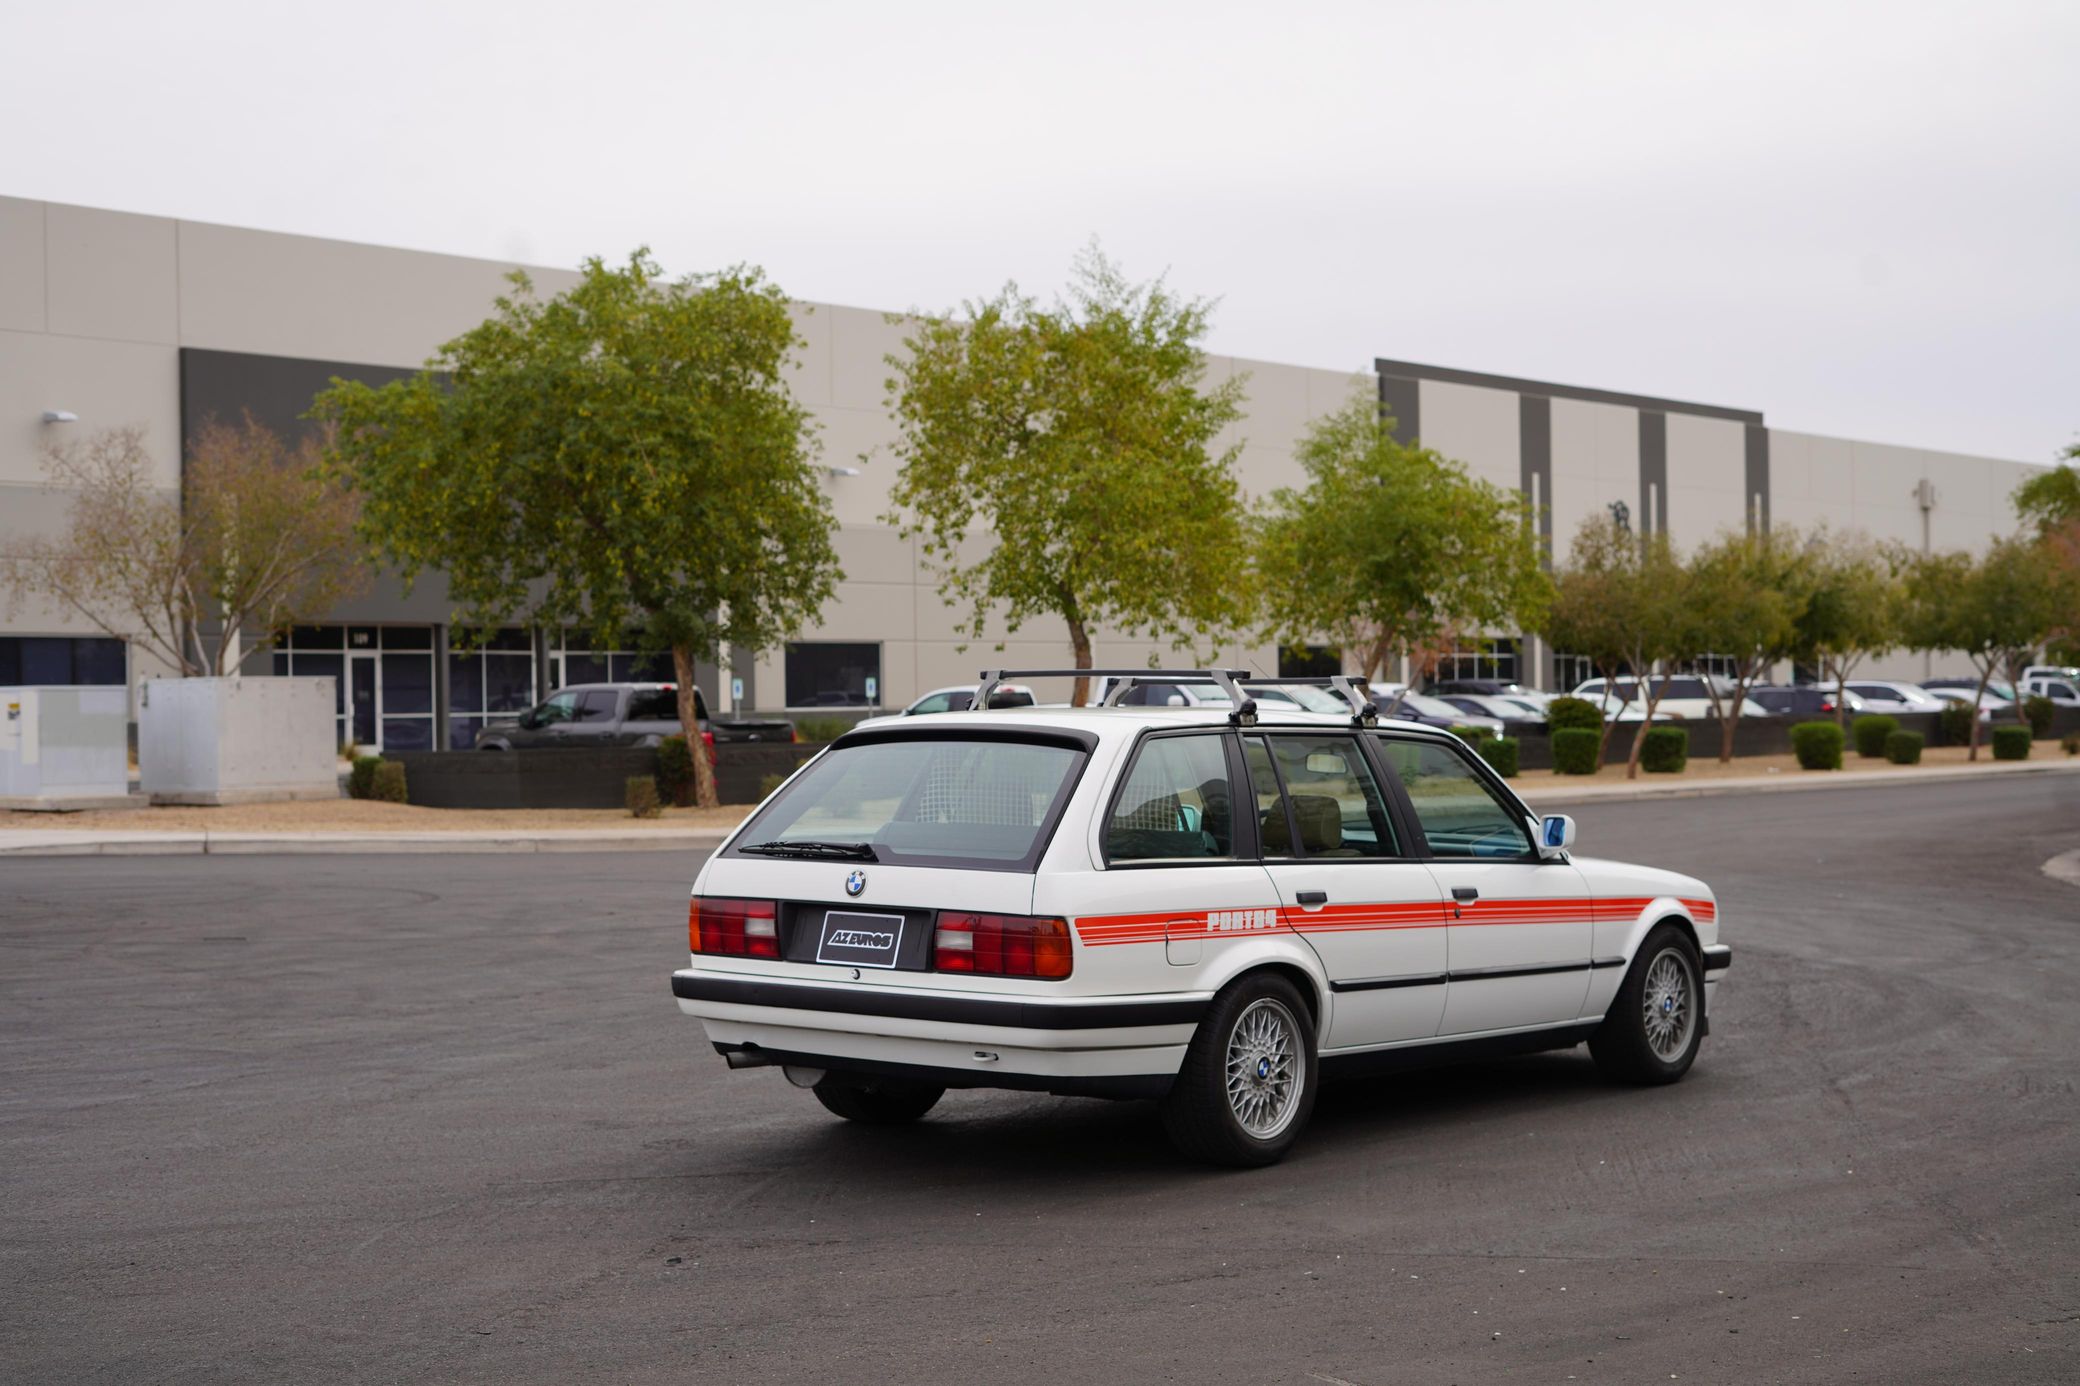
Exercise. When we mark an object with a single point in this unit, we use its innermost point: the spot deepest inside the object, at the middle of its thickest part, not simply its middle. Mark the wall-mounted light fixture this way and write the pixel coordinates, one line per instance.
(841, 471)
(51, 416)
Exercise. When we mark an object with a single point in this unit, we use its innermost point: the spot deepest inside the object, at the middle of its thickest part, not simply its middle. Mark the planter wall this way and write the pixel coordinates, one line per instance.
(1753, 736)
(237, 740)
(64, 747)
(555, 777)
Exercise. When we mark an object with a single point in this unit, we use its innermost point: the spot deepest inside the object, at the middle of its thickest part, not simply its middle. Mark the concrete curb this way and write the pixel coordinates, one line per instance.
(1790, 782)
(58, 842)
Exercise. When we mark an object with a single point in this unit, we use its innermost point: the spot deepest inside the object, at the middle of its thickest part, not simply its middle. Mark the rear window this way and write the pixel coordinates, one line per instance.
(654, 705)
(978, 804)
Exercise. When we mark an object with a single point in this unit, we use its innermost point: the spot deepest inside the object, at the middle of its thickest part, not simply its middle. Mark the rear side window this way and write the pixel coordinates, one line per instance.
(982, 804)
(654, 705)
(597, 705)
(1460, 814)
(1337, 809)
(1175, 803)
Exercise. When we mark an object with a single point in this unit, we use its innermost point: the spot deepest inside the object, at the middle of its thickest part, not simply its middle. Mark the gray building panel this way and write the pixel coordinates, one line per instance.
(1652, 515)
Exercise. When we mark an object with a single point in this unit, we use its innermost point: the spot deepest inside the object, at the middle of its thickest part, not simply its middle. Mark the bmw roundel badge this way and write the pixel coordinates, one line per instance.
(856, 882)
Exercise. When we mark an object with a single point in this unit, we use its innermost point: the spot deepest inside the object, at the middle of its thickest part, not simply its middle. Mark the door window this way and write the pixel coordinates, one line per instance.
(561, 708)
(1462, 816)
(597, 705)
(1336, 808)
(1175, 803)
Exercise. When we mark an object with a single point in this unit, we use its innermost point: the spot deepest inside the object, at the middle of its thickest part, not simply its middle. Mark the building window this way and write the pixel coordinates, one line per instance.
(1571, 671)
(1310, 662)
(492, 682)
(382, 680)
(569, 664)
(820, 675)
(1483, 659)
(63, 660)
(1717, 666)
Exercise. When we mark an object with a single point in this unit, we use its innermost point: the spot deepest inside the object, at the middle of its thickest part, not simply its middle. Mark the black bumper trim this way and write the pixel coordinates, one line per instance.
(1118, 1087)
(1718, 957)
(954, 1010)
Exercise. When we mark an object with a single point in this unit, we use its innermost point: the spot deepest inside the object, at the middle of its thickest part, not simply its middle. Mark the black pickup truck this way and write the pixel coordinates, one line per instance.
(618, 714)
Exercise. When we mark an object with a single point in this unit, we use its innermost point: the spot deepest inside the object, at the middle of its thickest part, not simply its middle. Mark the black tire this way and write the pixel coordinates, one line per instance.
(1622, 1046)
(1199, 1115)
(876, 1101)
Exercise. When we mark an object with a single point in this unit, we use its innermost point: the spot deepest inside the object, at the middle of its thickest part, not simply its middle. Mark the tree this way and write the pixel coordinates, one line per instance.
(1619, 600)
(1743, 594)
(624, 455)
(1392, 549)
(1852, 607)
(1080, 437)
(2050, 501)
(1997, 608)
(256, 538)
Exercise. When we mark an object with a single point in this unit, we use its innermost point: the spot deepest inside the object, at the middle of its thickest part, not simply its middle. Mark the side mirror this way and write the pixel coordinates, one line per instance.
(1555, 834)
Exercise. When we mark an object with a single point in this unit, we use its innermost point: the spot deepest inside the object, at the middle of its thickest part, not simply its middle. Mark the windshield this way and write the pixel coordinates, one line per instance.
(981, 804)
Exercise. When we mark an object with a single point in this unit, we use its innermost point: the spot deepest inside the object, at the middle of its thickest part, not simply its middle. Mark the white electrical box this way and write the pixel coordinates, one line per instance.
(63, 744)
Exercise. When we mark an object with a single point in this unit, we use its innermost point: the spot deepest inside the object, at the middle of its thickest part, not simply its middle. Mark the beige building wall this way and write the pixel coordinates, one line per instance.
(1595, 462)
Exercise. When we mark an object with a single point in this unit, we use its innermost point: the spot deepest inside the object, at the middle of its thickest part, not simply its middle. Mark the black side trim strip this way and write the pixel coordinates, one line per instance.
(1718, 957)
(957, 1010)
(1477, 974)
(1431, 979)
(1456, 1051)
(1119, 1087)
(1489, 974)
(1608, 962)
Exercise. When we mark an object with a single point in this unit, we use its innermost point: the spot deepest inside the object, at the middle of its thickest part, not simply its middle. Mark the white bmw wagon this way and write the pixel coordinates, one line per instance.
(1214, 908)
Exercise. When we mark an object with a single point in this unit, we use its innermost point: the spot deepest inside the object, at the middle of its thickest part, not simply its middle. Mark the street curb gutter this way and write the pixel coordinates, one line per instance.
(1789, 783)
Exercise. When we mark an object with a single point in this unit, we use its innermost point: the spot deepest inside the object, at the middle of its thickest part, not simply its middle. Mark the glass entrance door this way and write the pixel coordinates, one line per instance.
(361, 701)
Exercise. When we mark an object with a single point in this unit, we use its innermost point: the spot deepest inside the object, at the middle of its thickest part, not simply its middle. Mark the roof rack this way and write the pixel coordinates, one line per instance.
(1245, 708)
(1364, 712)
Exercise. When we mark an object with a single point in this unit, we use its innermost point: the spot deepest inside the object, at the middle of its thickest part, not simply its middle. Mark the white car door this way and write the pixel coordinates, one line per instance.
(1522, 929)
(1349, 885)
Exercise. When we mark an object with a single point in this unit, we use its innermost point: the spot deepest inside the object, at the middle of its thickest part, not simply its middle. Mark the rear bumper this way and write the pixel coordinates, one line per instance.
(1109, 1046)
(1717, 958)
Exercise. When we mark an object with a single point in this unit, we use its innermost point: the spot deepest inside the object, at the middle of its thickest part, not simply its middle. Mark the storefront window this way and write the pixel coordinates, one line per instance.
(57, 660)
(820, 675)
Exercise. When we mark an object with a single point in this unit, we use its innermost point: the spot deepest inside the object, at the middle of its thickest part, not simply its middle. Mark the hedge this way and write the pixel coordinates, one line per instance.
(2011, 743)
(1566, 714)
(1665, 751)
(2039, 710)
(675, 771)
(1870, 735)
(640, 794)
(1955, 723)
(361, 777)
(1501, 754)
(1903, 748)
(1576, 750)
(1818, 745)
(388, 784)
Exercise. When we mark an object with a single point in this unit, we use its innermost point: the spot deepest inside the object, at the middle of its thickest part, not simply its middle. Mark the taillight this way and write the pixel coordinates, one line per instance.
(733, 928)
(1002, 945)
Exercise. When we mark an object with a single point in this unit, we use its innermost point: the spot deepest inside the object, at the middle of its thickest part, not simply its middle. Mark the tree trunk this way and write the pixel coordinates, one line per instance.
(1985, 677)
(1080, 643)
(1649, 701)
(703, 769)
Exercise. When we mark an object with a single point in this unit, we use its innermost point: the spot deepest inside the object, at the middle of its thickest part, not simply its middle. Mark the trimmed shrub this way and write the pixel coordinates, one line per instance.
(1903, 747)
(1472, 736)
(1501, 754)
(821, 728)
(2011, 743)
(2039, 710)
(768, 785)
(1567, 714)
(674, 771)
(1818, 745)
(1870, 734)
(1665, 751)
(1575, 750)
(641, 797)
(2071, 744)
(1955, 723)
(388, 784)
(361, 777)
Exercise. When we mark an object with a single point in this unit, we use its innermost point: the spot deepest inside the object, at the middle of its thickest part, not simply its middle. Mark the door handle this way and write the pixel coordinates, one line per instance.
(1463, 896)
(1312, 897)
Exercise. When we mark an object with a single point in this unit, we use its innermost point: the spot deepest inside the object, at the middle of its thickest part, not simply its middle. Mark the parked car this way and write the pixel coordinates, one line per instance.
(1399, 701)
(1507, 707)
(1890, 697)
(961, 697)
(1685, 695)
(1802, 701)
(1151, 902)
(2069, 673)
(1992, 706)
(1993, 686)
(619, 714)
(2062, 692)
(1491, 688)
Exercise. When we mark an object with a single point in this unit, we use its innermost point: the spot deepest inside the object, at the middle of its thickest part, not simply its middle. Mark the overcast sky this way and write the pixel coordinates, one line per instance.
(1862, 219)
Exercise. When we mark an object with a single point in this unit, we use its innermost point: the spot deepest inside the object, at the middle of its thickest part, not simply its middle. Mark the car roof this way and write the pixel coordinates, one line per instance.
(1126, 722)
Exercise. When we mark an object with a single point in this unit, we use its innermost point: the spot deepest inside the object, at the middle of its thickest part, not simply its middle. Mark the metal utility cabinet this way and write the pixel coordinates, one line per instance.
(63, 747)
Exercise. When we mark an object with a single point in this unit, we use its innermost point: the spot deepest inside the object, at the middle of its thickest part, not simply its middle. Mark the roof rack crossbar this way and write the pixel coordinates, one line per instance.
(1224, 679)
(1364, 712)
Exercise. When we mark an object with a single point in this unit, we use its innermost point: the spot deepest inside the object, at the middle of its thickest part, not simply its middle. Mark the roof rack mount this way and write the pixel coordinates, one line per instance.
(1364, 712)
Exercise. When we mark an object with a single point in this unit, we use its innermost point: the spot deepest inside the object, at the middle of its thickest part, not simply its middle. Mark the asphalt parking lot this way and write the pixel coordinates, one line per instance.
(436, 1118)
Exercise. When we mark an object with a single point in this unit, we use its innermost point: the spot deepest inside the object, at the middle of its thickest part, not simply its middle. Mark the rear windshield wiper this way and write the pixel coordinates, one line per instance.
(805, 847)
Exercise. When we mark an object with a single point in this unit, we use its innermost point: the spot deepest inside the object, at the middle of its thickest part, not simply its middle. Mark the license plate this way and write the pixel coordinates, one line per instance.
(860, 940)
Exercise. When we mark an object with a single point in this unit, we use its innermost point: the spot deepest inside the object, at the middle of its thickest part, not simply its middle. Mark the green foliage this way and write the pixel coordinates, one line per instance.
(2011, 743)
(2070, 744)
(1577, 750)
(675, 771)
(1666, 752)
(1563, 713)
(816, 729)
(1392, 549)
(1903, 747)
(1853, 604)
(1954, 724)
(1870, 733)
(1469, 735)
(1818, 745)
(1998, 608)
(361, 776)
(1078, 441)
(769, 785)
(640, 796)
(2038, 710)
(388, 782)
(1501, 754)
(2051, 499)
(624, 455)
